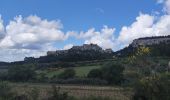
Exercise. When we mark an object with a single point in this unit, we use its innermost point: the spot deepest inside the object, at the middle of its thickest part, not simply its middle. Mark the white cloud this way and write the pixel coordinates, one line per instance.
(104, 37)
(19, 54)
(31, 34)
(167, 6)
(68, 46)
(145, 25)
(31, 31)
(142, 27)
(26, 32)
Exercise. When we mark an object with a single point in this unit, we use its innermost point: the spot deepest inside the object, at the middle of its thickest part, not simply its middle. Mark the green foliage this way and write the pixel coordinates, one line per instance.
(33, 94)
(112, 73)
(5, 91)
(56, 94)
(21, 73)
(153, 88)
(68, 73)
(42, 77)
(95, 73)
(3, 76)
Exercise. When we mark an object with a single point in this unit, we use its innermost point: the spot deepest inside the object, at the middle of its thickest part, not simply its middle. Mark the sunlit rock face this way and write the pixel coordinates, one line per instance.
(151, 41)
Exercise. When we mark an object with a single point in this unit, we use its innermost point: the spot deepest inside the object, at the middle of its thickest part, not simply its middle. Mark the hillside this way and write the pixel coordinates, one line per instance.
(159, 46)
(85, 52)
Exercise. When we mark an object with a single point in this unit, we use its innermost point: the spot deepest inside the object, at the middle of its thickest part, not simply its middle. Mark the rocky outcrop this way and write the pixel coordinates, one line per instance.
(150, 41)
(159, 46)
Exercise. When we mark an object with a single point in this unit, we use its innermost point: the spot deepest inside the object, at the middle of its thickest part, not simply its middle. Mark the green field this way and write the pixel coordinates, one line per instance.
(80, 71)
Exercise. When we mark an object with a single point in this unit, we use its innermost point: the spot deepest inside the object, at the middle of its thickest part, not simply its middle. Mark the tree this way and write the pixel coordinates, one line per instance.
(21, 73)
(95, 73)
(68, 73)
(112, 73)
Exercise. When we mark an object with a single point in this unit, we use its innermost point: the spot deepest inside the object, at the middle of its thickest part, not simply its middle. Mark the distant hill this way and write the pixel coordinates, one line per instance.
(85, 52)
(159, 46)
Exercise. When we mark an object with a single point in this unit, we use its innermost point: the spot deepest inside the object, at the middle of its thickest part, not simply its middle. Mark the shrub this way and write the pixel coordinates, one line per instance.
(56, 94)
(68, 73)
(95, 73)
(112, 73)
(21, 73)
(5, 91)
(153, 88)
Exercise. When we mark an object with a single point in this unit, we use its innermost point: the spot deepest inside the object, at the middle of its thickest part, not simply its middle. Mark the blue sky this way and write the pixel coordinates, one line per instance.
(80, 14)
(108, 23)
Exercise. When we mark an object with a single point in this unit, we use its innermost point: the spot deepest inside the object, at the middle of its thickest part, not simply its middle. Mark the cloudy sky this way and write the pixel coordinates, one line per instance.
(32, 27)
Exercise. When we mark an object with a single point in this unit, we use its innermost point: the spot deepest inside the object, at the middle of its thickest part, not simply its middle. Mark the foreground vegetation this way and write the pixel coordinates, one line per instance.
(30, 91)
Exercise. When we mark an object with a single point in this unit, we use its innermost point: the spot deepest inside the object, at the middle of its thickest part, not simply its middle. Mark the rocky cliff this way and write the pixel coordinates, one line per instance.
(147, 41)
(159, 46)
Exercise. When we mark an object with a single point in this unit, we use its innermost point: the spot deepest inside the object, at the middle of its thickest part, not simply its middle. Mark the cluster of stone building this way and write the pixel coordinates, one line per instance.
(84, 47)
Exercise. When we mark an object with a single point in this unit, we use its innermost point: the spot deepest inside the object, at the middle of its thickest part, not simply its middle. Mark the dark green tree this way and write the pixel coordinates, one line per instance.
(68, 73)
(21, 73)
(95, 73)
(112, 73)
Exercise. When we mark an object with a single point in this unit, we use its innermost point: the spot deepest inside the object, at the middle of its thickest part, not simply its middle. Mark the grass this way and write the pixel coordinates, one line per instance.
(83, 71)
(80, 71)
(115, 93)
(3, 70)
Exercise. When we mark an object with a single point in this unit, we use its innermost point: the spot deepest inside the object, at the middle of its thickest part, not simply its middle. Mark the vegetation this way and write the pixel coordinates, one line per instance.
(68, 73)
(153, 88)
(8, 92)
(21, 73)
(112, 73)
(5, 91)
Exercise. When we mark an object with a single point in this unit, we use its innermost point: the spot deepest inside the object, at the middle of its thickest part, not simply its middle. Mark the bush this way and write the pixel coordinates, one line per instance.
(113, 73)
(56, 94)
(68, 73)
(153, 88)
(95, 73)
(5, 91)
(3, 76)
(21, 73)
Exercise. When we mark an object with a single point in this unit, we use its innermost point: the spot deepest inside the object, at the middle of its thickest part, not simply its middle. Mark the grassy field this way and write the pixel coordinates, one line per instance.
(80, 71)
(3, 70)
(115, 93)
